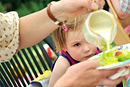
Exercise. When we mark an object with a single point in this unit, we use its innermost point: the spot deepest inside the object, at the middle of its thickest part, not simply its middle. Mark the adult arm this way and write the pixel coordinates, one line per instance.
(27, 31)
(119, 9)
(36, 26)
(123, 11)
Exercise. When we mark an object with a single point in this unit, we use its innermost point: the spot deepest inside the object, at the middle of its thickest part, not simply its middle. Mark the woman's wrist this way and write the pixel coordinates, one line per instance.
(57, 12)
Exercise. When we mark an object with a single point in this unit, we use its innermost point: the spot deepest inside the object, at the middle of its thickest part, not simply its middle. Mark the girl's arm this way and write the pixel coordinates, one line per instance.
(59, 69)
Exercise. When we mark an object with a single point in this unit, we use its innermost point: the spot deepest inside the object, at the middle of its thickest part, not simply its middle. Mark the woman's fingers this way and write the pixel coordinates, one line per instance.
(109, 82)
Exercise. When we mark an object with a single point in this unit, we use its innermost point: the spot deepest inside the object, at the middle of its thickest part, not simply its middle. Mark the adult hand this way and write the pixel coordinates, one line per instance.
(34, 27)
(85, 74)
(72, 8)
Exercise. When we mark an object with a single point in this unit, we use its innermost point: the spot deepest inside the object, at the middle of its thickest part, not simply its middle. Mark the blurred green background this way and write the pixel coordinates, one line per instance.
(23, 7)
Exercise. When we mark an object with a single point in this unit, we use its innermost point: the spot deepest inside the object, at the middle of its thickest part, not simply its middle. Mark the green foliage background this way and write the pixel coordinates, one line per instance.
(23, 7)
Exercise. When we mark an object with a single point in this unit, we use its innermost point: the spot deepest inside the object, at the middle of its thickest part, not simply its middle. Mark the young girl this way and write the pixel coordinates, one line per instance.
(72, 47)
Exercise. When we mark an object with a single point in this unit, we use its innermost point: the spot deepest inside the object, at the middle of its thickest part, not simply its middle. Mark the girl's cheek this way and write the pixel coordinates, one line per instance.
(76, 56)
(94, 49)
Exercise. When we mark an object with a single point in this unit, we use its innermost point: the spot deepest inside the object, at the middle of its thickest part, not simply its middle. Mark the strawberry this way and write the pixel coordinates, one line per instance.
(118, 53)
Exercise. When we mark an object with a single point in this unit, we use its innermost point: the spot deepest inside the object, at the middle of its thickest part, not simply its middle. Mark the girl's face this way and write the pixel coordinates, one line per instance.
(77, 46)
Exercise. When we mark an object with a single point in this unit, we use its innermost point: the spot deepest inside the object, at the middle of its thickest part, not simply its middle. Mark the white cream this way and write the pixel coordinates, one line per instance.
(102, 27)
(105, 33)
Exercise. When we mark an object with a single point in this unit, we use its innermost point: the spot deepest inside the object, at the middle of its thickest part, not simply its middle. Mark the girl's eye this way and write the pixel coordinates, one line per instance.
(77, 44)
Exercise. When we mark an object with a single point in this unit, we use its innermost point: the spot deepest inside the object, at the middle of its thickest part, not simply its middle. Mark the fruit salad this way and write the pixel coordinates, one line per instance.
(113, 56)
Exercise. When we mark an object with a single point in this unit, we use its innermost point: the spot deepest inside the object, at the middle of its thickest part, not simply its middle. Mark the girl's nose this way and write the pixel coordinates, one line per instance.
(86, 48)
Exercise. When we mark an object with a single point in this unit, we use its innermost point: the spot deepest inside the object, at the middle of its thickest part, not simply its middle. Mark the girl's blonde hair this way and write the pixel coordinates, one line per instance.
(59, 35)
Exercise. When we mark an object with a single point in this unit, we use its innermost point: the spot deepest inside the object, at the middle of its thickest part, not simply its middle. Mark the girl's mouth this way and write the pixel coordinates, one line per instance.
(88, 56)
